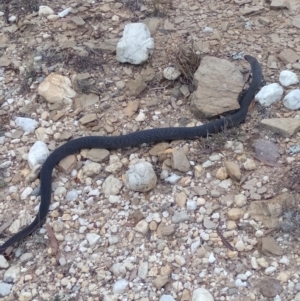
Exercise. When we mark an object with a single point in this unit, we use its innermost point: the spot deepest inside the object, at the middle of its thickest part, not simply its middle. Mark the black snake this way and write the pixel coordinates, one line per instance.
(130, 140)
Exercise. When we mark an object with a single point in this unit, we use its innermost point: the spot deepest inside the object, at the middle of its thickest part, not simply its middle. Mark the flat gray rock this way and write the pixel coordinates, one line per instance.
(285, 126)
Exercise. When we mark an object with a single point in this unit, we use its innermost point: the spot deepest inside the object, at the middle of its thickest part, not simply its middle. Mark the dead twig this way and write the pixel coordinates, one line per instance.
(224, 241)
(53, 240)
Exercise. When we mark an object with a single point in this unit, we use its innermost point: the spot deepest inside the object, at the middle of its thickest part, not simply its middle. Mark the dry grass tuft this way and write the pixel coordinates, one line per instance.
(187, 61)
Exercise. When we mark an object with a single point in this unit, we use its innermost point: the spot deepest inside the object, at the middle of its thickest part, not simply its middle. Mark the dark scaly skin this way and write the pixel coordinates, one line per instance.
(133, 139)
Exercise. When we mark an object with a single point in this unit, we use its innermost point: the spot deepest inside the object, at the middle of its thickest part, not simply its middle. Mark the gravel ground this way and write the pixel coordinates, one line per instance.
(226, 225)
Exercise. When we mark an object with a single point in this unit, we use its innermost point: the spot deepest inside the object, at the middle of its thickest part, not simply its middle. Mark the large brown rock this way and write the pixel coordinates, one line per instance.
(218, 83)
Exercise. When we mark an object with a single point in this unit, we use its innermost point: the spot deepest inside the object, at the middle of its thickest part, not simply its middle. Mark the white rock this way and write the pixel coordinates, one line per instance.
(57, 226)
(141, 116)
(38, 153)
(284, 260)
(215, 157)
(171, 73)
(45, 10)
(240, 200)
(120, 286)
(12, 19)
(166, 298)
(140, 177)
(143, 270)
(114, 167)
(164, 173)
(208, 29)
(211, 258)
(240, 283)
(241, 277)
(173, 178)
(254, 263)
(25, 296)
(111, 186)
(270, 270)
(92, 238)
(262, 262)
(179, 260)
(5, 289)
(142, 226)
(201, 294)
(287, 78)
(177, 285)
(114, 159)
(114, 229)
(207, 163)
(225, 184)
(52, 18)
(112, 240)
(240, 246)
(204, 236)
(27, 124)
(269, 94)
(297, 297)
(292, 100)
(12, 274)
(60, 190)
(195, 245)
(91, 169)
(118, 269)
(26, 192)
(110, 298)
(191, 205)
(249, 164)
(64, 12)
(72, 195)
(136, 45)
(215, 215)
(259, 233)
(3, 262)
(114, 199)
(236, 146)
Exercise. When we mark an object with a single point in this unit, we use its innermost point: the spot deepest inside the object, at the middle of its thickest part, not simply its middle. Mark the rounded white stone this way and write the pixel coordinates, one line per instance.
(211, 258)
(140, 177)
(269, 94)
(45, 10)
(240, 246)
(202, 294)
(288, 78)
(240, 200)
(38, 153)
(118, 269)
(120, 286)
(142, 226)
(3, 262)
(292, 100)
(270, 270)
(92, 238)
(27, 124)
(191, 205)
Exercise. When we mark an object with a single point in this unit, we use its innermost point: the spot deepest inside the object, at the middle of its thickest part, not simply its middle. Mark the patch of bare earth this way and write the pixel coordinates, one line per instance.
(229, 225)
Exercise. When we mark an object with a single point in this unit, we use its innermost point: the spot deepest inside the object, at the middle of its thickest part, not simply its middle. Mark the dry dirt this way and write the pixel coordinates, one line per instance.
(268, 265)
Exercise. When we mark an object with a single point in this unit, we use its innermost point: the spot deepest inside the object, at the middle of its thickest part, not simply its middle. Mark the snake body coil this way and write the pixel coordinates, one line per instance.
(133, 139)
